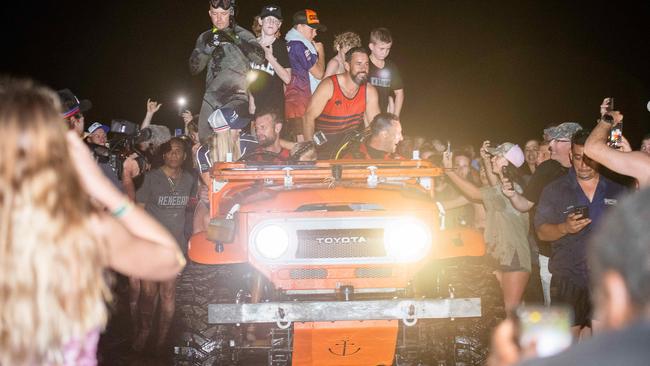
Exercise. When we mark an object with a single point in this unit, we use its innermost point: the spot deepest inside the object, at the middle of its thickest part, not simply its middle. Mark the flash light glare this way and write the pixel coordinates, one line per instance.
(251, 76)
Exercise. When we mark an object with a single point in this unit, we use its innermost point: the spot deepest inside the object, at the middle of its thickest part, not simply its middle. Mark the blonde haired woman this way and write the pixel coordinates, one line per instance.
(62, 223)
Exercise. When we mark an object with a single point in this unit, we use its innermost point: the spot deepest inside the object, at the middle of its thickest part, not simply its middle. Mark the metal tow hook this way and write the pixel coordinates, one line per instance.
(372, 179)
(411, 318)
(280, 322)
(288, 179)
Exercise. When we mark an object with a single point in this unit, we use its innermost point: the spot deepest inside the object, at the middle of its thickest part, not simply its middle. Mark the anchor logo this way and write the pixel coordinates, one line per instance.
(344, 348)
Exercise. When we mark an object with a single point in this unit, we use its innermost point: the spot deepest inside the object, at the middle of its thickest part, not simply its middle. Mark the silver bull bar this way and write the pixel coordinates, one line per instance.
(284, 313)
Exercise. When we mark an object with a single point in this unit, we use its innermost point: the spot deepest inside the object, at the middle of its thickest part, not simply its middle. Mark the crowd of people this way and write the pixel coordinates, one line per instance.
(274, 98)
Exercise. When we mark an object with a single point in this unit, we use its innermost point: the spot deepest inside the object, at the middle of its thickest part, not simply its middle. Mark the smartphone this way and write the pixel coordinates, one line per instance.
(178, 132)
(319, 138)
(581, 210)
(547, 329)
(506, 173)
(615, 136)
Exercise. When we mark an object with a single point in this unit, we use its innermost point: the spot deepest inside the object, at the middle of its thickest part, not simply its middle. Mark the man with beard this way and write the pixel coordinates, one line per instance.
(268, 125)
(227, 50)
(342, 104)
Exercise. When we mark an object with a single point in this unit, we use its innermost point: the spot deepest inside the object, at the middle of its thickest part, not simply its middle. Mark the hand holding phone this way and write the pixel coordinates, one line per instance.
(544, 331)
(576, 220)
(615, 138)
(583, 211)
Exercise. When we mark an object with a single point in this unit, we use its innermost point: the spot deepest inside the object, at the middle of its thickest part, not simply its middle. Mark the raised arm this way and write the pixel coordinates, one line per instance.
(487, 164)
(152, 108)
(634, 163)
(187, 118)
(467, 188)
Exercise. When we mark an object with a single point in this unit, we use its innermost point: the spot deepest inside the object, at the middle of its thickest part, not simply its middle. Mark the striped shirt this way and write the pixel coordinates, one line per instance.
(342, 114)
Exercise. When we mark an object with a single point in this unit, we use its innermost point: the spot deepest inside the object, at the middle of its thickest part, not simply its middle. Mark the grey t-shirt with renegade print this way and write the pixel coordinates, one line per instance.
(166, 199)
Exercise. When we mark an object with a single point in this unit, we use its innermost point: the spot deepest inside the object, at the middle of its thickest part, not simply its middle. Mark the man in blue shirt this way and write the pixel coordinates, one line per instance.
(568, 211)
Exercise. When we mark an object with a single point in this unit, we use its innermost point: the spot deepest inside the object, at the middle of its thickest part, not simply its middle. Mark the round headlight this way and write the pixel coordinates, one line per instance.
(407, 240)
(272, 241)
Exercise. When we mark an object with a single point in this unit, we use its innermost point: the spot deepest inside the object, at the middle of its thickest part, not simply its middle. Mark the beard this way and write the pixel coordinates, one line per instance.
(265, 141)
(360, 77)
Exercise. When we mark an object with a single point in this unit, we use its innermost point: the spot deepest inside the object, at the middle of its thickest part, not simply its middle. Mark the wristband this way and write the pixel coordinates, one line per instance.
(122, 209)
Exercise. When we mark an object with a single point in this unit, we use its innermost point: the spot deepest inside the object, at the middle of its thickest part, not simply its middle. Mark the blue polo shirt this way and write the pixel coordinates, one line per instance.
(569, 253)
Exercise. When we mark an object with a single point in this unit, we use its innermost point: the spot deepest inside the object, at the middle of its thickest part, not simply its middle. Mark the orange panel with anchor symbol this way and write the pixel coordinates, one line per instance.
(345, 343)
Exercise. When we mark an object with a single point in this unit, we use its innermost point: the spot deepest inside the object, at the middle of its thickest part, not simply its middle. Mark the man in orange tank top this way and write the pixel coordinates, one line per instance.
(342, 104)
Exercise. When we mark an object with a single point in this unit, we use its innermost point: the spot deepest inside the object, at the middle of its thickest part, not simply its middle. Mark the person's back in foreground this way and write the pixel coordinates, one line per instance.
(56, 237)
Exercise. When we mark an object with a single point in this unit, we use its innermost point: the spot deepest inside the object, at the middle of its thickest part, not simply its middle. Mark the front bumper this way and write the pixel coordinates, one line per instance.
(284, 313)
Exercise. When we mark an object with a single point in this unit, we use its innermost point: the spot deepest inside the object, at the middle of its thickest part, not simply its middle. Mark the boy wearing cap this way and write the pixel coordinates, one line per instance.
(307, 59)
(384, 74)
(270, 76)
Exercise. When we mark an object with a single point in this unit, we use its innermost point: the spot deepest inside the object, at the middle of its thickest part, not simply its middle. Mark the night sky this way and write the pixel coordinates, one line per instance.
(472, 69)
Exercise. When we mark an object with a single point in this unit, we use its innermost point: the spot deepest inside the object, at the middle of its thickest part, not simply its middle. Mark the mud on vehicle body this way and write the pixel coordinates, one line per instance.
(333, 263)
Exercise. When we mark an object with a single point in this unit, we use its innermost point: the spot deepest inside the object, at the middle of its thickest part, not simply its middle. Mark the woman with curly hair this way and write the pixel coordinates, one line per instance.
(62, 224)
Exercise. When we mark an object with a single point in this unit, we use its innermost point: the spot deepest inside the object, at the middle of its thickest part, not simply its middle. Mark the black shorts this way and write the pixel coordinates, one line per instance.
(578, 298)
(514, 266)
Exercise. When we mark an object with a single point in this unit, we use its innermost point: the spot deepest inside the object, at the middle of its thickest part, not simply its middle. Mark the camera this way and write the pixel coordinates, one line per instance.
(126, 135)
(506, 173)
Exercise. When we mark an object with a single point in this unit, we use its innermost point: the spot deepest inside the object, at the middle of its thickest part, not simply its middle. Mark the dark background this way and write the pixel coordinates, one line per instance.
(473, 69)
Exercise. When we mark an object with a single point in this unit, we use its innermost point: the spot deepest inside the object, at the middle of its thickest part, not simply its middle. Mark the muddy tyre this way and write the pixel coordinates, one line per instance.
(463, 341)
(198, 343)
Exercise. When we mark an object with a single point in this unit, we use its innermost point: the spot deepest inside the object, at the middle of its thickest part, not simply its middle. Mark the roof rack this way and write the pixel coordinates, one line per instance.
(325, 169)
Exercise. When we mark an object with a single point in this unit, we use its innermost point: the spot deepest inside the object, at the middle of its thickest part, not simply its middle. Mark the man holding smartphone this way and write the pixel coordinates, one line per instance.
(567, 211)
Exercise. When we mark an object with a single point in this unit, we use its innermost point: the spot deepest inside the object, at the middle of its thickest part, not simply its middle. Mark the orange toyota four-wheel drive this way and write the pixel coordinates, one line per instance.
(333, 263)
